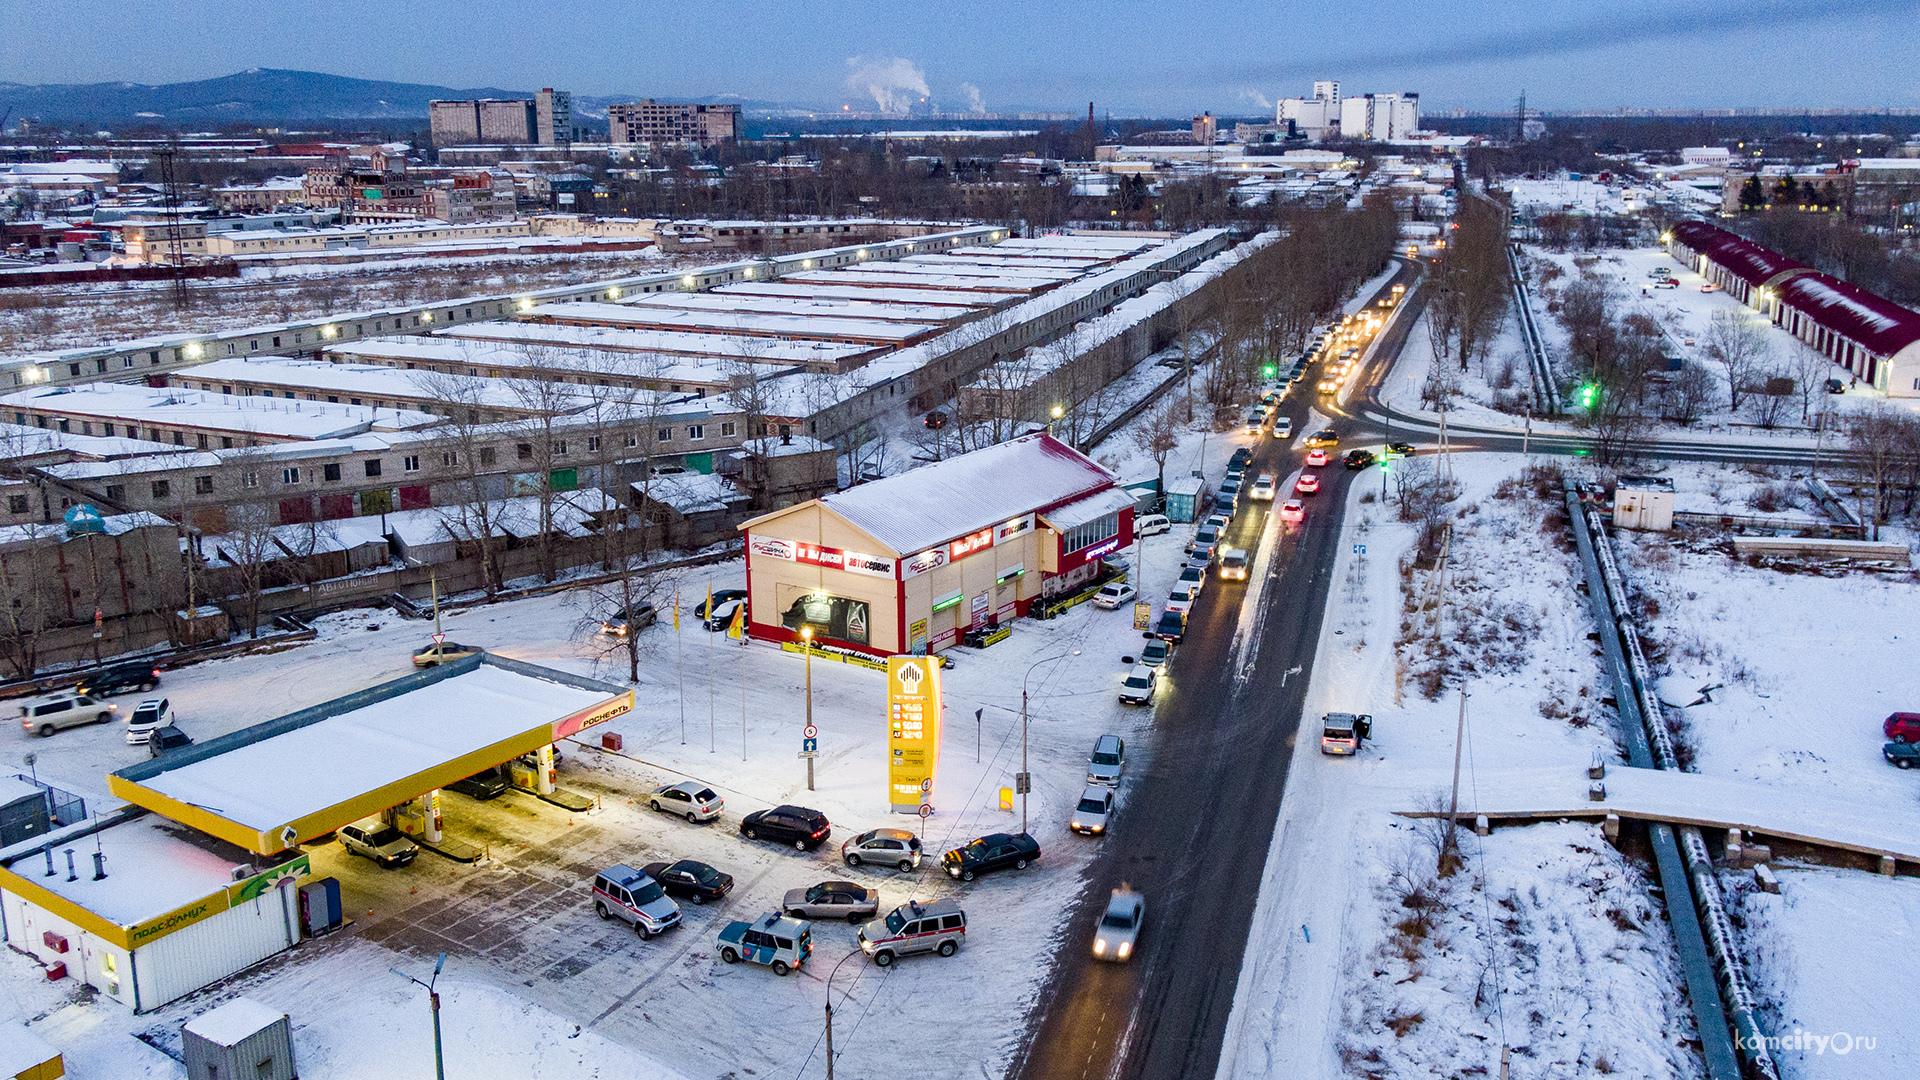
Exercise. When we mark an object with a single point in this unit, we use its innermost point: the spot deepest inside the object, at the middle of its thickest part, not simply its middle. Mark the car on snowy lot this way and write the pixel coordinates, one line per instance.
(720, 596)
(1119, 930)
(998, 851)
(1359, 459)
(1660, 272)
(1155, 654)
(64, 710)
(1668, 283)
(1092, 812)
(622, 892)
(1343, 733)
(913, 927)
(1324, 437)
(378, 841)
(1293, 510)
(1233, 564)
(1139, 686)
(1903, 755)
(690, 880)
(1262, 490)
(1317, 458)
(147, 717)
(1708, 286)
(897, 848)
(1181, 598)
(689, 799)
(118, 679)
(624, 622)
(1308, 484)
(803, 828)
(774, 940)
(167, 739)
(1171, 627)
(1902, 727)
(445, 652)
(1151, 524)
(1113, 594)
(722, 615)
(833, 900)
(483, 785)
(1108, 760)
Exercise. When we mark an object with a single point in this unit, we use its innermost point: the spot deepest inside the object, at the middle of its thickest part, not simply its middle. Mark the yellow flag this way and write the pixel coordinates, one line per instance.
(676, 611)
(737, 629)
(707, 612)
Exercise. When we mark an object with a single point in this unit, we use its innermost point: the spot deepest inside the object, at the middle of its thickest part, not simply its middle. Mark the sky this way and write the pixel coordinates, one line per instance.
(1132, 58)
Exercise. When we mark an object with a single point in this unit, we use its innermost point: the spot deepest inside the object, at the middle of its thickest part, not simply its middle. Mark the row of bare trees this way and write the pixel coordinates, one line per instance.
(1468, 291)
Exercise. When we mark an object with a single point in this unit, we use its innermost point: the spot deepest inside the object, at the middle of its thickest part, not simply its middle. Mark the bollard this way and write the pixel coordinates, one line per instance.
(1612, 828)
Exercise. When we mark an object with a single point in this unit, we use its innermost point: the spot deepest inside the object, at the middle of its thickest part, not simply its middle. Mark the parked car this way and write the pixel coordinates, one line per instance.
(803, 828)
(1093, 811)
(1155, 654)
(1399, 449)
(689, 799)
(722, 615)
(1108, 760)
(1668, 283)
(1708, 286)
(378, 841)
(774, 940)
(1324, 437)
(720, 596)
(483, 785)
(1151, 524)
(833, 900)
(1217, 522)
(1203, 541)
(1139, 686)
(1256, 419)
(623, 892)
(1240, 457)
(1308, 484)
(1195, 576)
(624, 622)
(1344, 733)
(432, 655)
(1293, 510)
(1171, 627)
(1283, 427)
(1228, 497)
(1904, 755)
(690, 880)
(897, 848)
(1902, 727)
(166, 739)
(1181, 598)
(1119, 929)
(1317, 458)
(147, 717)
(914, 927)
(998, 851)
(1113, 594)
(1359, 459)
(118, 679)
(63, 710)
(1233, 564)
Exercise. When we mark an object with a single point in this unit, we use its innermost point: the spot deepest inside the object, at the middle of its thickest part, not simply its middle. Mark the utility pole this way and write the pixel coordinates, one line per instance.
(1450, 850)
(171, 200)
(433, 1002)
(806, 639)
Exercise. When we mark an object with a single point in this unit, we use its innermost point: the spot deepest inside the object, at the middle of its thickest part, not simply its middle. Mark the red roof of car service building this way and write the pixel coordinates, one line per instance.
(1745, 259)
(1876, 324)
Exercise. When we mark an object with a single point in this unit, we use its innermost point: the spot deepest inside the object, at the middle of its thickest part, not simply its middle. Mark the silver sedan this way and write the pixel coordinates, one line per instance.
(833, 900)
(1119, 930)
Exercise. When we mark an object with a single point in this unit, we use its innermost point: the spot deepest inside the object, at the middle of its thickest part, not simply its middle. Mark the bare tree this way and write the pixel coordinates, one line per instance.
(1157, 438)
(471, 459)
(1882, 443)
(1809, 371)
(1690, 394)
(28, 599)
(1738, 341)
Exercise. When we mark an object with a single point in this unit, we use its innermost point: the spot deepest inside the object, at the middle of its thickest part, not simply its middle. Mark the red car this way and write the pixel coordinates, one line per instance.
(1316, 457)
(1902, 727)
(1308, 484)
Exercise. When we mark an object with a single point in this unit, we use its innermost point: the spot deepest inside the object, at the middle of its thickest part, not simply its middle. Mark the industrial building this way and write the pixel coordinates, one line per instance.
(664, 122)
(911, 563)
(546, 119)
(1328, 115)
(194, 418)
(1874, 338)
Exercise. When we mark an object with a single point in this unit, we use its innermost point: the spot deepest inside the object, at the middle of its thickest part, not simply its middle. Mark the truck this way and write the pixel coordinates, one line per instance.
(1342, 733)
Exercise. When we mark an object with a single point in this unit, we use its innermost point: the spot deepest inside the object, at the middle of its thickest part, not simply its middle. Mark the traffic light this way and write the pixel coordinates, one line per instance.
(1589, 392)
(1267, 372)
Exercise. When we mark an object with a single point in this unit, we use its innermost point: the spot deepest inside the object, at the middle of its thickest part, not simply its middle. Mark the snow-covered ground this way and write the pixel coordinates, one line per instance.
(1546, 940)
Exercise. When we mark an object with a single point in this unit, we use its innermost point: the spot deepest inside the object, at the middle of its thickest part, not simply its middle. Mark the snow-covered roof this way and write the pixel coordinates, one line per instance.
(1880, 325)
(488, 359)
(234, 1022)
(154, 866)
(1092, 508)
(371, 382)
(934, 503)
(733, 347)
(270, 418)
(692, 493)
(1741, 257)
(877, 293)
(847, 327)
(810, 306)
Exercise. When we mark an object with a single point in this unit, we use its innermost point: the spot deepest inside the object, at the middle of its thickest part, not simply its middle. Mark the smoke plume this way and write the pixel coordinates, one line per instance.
(894, 82)
(975, 103)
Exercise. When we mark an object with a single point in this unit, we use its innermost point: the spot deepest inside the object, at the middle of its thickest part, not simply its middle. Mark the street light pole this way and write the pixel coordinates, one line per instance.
(433, 1002)
(806, 640)
(1025, 781)
(830, 975)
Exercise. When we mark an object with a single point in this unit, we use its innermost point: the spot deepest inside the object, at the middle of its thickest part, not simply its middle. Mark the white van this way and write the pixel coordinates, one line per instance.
(49, 714)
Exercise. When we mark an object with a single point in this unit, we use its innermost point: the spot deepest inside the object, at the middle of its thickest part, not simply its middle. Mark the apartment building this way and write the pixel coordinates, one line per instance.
(654, 122)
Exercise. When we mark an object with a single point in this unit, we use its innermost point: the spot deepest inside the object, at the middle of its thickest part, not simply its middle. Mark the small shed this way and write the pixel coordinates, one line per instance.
(1643, 502)
(24, 811)
(1183, 498)
(241, 1040)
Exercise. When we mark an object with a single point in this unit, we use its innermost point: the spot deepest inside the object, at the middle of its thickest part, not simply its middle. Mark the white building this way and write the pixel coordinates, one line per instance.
(1381, 117)
(1317, 117)
(1707, 155)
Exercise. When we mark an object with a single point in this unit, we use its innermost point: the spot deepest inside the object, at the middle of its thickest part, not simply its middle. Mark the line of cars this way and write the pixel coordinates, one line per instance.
(149, 724)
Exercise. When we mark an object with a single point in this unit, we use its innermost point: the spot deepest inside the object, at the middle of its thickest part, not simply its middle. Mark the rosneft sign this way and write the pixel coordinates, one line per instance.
(592, 715)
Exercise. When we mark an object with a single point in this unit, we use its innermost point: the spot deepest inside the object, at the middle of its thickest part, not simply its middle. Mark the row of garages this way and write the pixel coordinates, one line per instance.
(1876, 339)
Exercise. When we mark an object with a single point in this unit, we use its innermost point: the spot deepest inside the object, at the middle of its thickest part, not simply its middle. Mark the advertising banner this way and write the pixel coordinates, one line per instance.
(913, 736)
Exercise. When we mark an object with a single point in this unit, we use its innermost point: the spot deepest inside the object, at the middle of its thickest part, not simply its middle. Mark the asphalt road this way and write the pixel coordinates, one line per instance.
(1199, 809)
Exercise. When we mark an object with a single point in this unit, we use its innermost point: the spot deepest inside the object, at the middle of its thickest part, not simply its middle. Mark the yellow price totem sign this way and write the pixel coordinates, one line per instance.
(913, 735)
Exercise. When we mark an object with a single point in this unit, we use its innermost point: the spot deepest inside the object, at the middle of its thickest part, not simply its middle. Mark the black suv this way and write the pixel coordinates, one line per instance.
(803, 828)
(1240, 458)
(119, 679)
(165, 739)
(485, 784)
(1359, 459)
(996, 852)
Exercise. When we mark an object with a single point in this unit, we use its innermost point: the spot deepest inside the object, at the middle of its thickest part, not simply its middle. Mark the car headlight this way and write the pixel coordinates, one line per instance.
(1126, 949)
(1099, 947)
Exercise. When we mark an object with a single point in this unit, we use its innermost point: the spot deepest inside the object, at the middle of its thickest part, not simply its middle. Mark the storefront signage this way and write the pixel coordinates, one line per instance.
(917, 636)
(913, 735)
(1105, 547)
(240, 892)
(930, 559)
(944, 602)
(774, 547)
(969, 544)
(771, 546)
(588, 717)
(1009, 573)
(1011, 530)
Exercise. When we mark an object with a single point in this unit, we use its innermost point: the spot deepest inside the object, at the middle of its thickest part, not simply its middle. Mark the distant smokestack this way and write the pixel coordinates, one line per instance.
(1089, 114)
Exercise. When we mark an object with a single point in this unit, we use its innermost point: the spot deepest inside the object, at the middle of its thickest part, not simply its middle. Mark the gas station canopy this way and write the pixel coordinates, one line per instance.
(268, 787)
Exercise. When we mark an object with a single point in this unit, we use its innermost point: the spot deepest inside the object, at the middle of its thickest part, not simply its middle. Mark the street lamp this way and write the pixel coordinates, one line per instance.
(806, 641)
(1056, 414)
(433, 1000)
(1024, 781)
(830, 975)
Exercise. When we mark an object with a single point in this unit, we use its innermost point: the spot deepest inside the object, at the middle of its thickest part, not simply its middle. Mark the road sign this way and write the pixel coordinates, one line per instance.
(926, 785)
(811, 746)
(1022, 783)
(439, 638)
(926, 810)
(809, 753)
(1359, 549)
(810, 732)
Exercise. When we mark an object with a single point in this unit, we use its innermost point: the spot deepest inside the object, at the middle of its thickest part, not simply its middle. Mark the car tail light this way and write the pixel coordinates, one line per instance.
(817, 832)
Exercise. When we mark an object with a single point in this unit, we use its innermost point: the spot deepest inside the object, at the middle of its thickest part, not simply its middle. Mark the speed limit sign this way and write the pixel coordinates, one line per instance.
(810, 732)
(926, 810)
